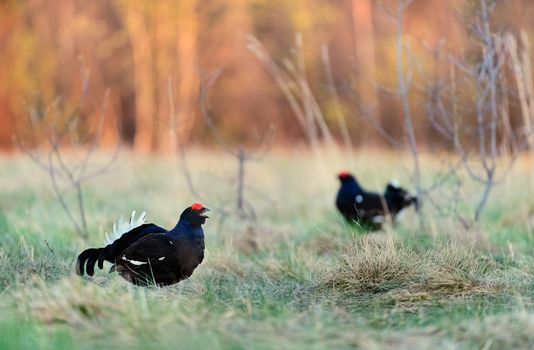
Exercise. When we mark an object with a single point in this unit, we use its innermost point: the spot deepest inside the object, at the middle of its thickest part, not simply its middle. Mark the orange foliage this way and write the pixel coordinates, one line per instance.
(135, 48)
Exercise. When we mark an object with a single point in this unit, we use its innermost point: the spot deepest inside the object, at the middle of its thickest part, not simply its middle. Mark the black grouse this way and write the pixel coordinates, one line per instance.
(369, 209)
(149, 254)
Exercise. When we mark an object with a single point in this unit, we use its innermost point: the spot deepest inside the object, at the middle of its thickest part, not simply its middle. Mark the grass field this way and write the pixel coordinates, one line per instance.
(297, 277)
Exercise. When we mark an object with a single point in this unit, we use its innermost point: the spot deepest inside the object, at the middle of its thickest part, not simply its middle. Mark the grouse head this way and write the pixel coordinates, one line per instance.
(195, 215)
(398, 198)
(345, 177)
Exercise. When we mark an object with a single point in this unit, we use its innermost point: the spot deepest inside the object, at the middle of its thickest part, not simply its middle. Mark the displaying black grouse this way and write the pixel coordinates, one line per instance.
(369, 209)
(149, 254)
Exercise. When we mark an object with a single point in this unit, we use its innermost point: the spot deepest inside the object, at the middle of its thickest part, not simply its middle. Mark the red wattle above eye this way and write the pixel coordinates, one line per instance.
(197, 206)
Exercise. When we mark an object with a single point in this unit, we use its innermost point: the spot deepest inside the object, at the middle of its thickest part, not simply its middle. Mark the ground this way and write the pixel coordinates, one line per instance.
(296, 277)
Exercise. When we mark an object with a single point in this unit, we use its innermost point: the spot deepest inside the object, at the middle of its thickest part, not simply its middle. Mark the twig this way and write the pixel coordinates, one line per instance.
(179, 144)
(49, 248)
(335, 98)
(263, 146)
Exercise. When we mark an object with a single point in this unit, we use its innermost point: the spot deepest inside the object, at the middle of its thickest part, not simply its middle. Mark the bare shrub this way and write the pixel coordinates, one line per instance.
(264, 143)
(468, 102)
(58, 130)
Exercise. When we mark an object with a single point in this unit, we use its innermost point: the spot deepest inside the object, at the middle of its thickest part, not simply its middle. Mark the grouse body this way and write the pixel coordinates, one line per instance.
(369, 209)
(149, 254)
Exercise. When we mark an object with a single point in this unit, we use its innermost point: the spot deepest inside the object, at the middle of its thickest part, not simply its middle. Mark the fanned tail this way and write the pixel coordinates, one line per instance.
(122, 226)
(89, 256)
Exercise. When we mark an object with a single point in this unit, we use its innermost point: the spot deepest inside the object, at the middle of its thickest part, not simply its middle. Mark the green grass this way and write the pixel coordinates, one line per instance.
(297, 277)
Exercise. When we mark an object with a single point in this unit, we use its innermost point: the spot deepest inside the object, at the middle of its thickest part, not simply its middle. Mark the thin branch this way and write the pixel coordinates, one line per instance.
(340, 117)
(98, 133)
(264, 144)
(179, 145)
(203, 93)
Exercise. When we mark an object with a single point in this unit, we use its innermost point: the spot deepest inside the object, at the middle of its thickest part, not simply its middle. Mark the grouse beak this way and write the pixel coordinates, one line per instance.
(203, 213)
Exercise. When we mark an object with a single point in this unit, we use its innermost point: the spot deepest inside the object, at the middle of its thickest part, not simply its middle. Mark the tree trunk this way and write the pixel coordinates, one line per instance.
(127, 123)
(364, 45)
(187, 68)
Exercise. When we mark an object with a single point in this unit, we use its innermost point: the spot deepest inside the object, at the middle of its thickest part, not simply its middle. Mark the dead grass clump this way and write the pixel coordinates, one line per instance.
(378, 266)
(373, 267)
(454, 268)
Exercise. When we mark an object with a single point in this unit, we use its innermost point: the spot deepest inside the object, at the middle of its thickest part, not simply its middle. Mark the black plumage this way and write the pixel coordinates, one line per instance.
(149, 254)
(369, 209)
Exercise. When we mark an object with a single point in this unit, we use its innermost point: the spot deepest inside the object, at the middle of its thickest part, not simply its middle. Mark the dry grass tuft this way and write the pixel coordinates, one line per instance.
(384, 265)
(373, 267)
(454, 268)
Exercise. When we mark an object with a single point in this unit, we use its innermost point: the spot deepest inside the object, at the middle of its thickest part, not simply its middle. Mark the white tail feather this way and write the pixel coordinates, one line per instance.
(122, 226)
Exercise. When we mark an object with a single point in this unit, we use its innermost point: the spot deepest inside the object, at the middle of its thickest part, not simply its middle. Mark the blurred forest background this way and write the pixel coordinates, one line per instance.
(69, 53)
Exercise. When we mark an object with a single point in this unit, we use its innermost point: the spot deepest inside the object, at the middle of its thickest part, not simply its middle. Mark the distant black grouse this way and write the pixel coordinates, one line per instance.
(369, 209)
(148, 254)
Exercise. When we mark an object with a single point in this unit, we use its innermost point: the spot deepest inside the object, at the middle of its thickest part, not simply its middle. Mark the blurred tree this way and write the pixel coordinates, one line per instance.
(187, 61)
(364, 46)
(119, 72)
(133, 47)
